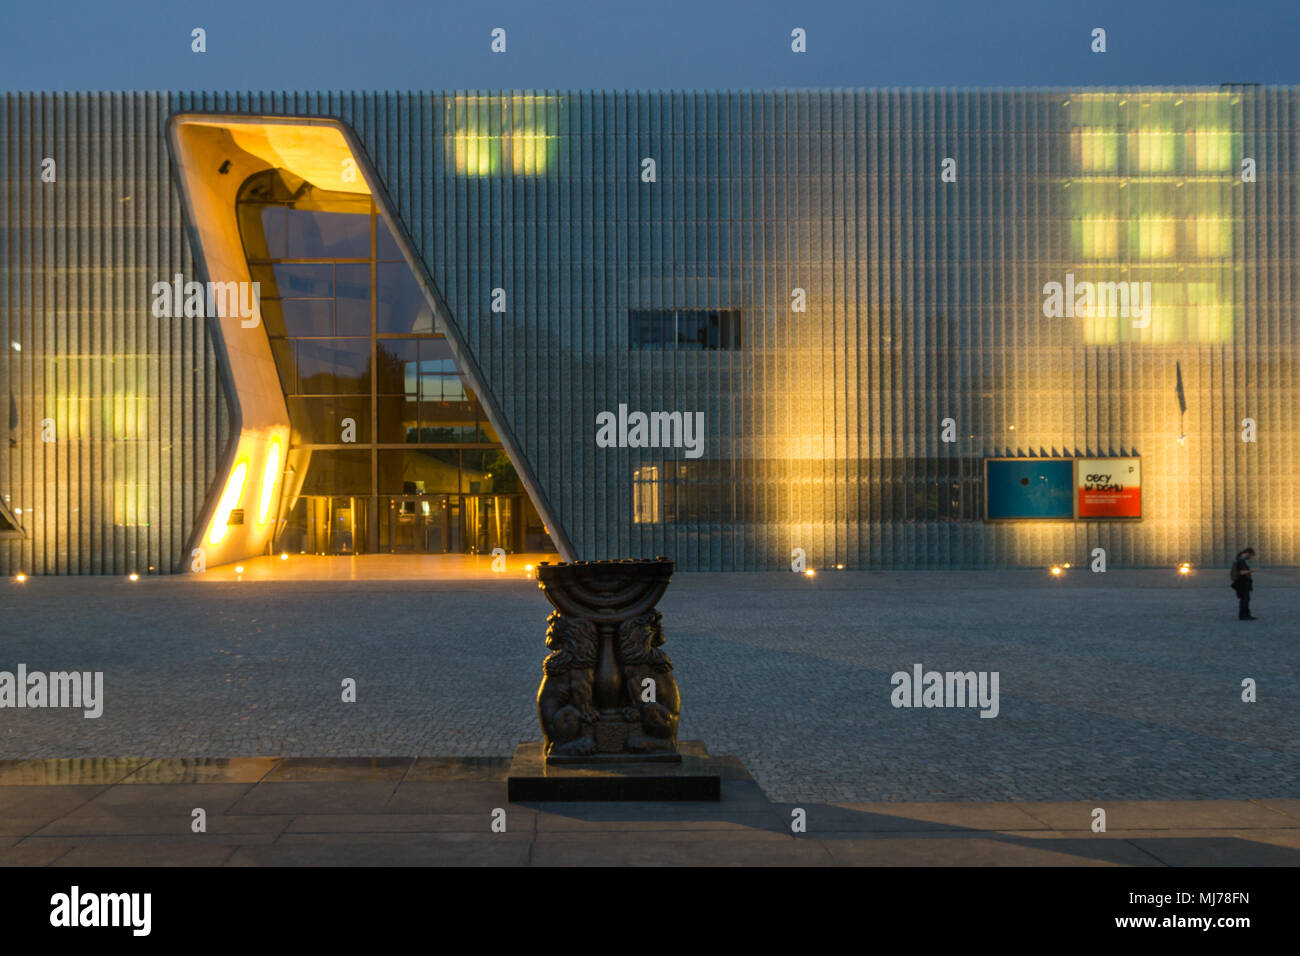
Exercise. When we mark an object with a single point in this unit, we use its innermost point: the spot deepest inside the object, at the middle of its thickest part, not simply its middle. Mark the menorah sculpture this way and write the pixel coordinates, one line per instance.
(607, 691)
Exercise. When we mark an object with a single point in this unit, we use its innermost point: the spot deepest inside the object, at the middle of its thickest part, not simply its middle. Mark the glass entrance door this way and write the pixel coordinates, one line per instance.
(491, 521)
(423, 524)
(347, 526)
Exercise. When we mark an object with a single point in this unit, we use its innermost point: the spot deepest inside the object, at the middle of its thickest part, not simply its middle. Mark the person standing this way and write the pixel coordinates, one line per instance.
(1243, 584)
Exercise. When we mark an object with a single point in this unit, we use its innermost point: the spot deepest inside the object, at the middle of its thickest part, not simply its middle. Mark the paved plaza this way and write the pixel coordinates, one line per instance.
(441, 811)
(1123, 686)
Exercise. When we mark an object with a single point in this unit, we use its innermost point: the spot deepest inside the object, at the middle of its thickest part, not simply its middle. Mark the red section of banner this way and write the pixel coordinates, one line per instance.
(1108, 503)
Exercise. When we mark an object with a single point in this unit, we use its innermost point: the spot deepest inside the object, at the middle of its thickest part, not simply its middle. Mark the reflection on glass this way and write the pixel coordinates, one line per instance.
(308, 317)
(402, 307)
(333, 366)
(316, 281)
(424, 471)
(313, 234)
(352, 298)
(338, 473)
(385, 244)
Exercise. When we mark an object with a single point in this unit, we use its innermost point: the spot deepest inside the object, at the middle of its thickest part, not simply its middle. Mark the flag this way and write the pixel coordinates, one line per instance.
(1182, 398)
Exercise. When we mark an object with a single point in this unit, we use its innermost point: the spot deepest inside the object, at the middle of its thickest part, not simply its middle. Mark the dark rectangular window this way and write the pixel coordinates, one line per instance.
(695, 329)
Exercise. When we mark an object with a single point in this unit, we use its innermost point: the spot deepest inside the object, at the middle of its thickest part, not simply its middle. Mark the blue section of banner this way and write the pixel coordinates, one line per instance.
(1030, 488)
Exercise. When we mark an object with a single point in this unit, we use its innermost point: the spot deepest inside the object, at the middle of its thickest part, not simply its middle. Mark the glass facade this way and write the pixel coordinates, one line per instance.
(396, 450)
(866, 295)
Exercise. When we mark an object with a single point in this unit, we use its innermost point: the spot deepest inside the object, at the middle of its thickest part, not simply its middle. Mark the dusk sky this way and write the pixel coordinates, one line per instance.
(652, 44)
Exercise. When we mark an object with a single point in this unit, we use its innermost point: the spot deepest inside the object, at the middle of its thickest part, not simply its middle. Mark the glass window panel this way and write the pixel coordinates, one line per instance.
(498, 473)
(712, 330)
(476, 470)
(282, 349)
(399, 420)
(337, 473)
(262, 229)
(308, 316)
(352, 298)
(689, 330)
(272, 317)
(385, 243)
(431, 349)
(333, 366)
(440, 388)
(310, 281)
(397, 366)
(401, 305)
(419, 472)
(319, 421)
(448, 422)
(313, 234)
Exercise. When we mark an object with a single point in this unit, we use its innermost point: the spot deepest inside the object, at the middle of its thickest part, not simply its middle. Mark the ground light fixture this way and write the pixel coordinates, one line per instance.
(20, 577)
(1184, 568)
(284, 555)
(810, 573)
(133, 576)
(1057, 570)
(239, 569)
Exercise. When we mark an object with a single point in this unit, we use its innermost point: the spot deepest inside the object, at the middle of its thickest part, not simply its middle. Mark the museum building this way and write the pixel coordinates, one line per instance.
(862, 329)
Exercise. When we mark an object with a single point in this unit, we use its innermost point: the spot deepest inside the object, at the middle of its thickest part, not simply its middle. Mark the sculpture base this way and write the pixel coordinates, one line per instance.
(692, 775)
(615, 758)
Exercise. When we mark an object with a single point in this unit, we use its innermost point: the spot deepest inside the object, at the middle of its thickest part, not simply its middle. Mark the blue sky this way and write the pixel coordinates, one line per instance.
(655, 44)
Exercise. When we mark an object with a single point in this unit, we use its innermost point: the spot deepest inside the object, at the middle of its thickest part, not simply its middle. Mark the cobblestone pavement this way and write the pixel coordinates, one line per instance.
(1125, 686)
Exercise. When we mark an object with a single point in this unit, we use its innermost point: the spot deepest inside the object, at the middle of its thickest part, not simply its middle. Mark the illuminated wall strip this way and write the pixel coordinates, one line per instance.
(229, 501)
(270, 478)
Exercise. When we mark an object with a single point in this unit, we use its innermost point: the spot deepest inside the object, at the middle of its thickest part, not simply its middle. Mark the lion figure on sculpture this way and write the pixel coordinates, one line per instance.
(653, 698)
(564, 701)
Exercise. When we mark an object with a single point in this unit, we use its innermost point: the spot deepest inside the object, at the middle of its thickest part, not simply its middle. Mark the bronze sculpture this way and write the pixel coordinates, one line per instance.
(607, 690)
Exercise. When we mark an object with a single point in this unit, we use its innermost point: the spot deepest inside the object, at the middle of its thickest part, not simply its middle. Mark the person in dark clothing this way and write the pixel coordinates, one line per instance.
(1241, 583)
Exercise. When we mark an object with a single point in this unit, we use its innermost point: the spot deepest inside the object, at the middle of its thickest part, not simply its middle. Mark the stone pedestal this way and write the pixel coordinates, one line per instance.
(689, 774)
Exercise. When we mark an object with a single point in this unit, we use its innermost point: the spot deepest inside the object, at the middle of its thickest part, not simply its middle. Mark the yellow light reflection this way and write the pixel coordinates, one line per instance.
(477, 155)
(1211, 150)
(1151, 150)
(270, 477)
(229, 500)
(489, 135)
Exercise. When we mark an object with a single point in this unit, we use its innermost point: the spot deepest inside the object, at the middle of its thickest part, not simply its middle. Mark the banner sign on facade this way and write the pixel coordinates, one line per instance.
(1028, 488)
(1108, 487)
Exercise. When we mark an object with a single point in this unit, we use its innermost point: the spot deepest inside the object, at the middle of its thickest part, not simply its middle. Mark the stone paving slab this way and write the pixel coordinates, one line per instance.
(204, 770)
(1228, 849)
(91, 770)
(146, 855)
(983, 851)
(345, 817)
(499, 849)
(924, 816)
(175, 800)
(1162, 815)
(94, 820)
